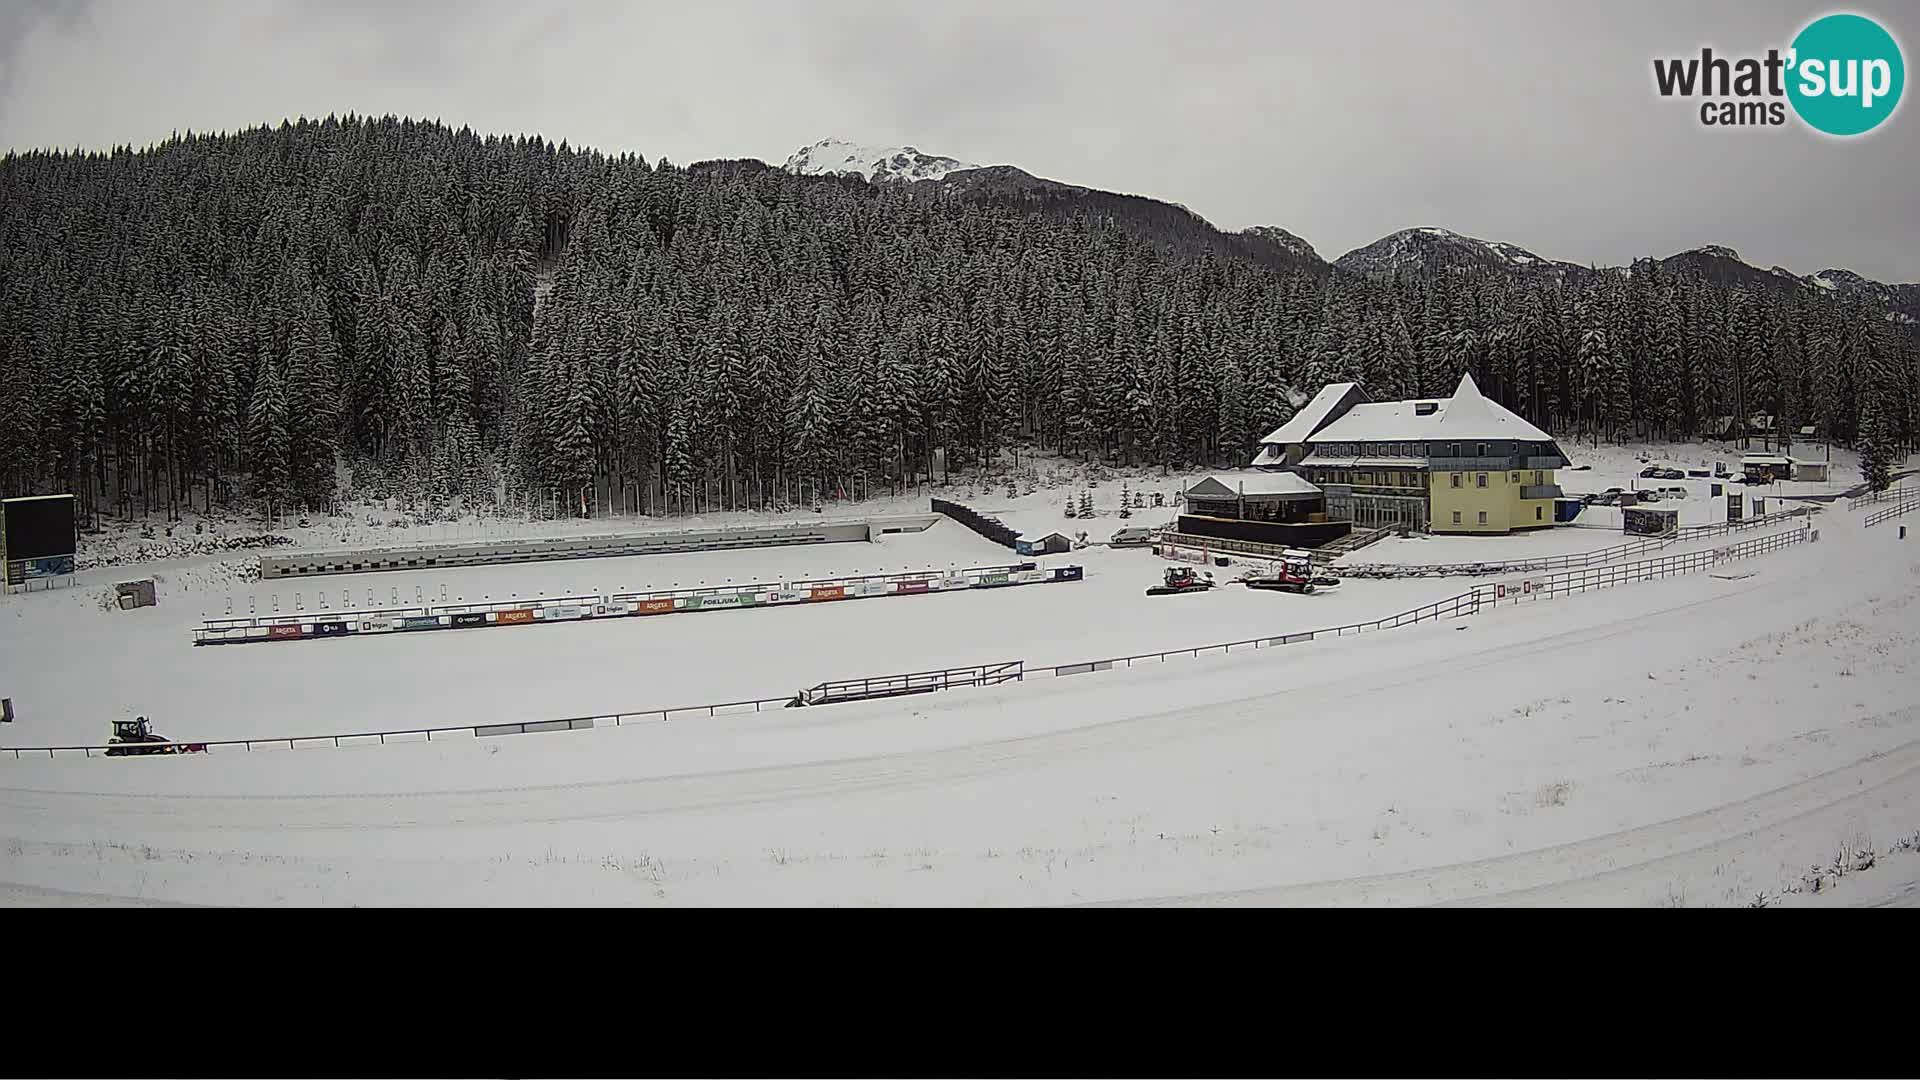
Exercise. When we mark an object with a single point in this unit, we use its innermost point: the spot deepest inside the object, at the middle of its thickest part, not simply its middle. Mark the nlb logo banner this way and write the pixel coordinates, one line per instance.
(1842, 75)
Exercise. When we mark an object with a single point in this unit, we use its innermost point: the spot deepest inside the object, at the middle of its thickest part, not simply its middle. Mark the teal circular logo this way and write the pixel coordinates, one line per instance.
(1846, 74)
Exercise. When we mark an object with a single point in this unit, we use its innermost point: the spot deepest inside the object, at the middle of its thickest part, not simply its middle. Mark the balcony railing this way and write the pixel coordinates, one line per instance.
(1473, 464)
(1540, 491)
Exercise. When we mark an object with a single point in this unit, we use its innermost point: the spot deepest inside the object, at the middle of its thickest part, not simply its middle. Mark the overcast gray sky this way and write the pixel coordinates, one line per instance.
(1530, 122)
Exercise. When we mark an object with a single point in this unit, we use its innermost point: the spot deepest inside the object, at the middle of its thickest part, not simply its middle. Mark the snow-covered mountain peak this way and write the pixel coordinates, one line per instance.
(877, 164)
(1428, 247)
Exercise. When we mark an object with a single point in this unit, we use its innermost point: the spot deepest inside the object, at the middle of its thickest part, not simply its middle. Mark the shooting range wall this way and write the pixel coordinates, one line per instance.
(491, 552)
(536, 610)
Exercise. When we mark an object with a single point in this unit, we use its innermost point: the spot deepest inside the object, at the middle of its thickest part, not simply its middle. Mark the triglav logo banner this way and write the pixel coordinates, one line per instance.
(1842, 75)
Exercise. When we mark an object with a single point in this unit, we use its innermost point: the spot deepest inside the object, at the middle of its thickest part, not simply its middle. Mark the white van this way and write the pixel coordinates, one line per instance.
(1135, 536)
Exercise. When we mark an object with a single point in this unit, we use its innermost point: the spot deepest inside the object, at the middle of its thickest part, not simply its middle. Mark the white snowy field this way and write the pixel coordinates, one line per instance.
(1698, 740)
(72, 666)
(1420, 549)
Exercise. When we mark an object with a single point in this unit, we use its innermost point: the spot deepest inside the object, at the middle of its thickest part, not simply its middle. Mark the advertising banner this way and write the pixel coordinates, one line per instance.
(470, 618)
(283, 631)
(654, 607)
(20, 571)
(515, 615)
(330, 628)
(419, 622)
(831, 592)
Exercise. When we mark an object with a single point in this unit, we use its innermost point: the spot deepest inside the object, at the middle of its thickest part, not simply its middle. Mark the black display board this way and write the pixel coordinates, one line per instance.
(38, 537)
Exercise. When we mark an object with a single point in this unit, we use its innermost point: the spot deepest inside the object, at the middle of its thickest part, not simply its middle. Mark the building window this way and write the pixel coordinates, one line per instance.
(1536, 477)
(1456, 517)
(1516, 478)
(1482, 451)
(1482, 480)
(1483, 517)
(1456, 479)
(1538, 512)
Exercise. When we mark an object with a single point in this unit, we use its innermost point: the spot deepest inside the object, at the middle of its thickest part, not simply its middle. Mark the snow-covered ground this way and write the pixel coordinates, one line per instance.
(61, 640)
(1693, 741)
(386, 523)
(1437, 550)
(1612, 465)
(1697, 740)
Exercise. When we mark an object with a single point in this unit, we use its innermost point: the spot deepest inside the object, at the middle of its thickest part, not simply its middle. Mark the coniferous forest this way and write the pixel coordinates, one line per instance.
(242, 320)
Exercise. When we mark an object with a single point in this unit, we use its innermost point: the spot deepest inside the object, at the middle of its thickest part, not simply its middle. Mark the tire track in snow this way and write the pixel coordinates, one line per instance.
(741, 788)
(1600, 866)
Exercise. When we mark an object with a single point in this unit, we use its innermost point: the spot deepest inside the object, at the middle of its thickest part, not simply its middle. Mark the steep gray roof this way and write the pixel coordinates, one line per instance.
(1312, 415)
(1232, 485)
(1465, 415)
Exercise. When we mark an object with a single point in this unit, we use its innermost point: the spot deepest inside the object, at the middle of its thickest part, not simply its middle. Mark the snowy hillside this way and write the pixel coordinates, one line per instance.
(1287, 241)
(837, 157)
(1430, 248)
(1902, 301)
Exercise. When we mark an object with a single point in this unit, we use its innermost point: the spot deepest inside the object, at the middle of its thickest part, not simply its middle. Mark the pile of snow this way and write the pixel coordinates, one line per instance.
(111, 549)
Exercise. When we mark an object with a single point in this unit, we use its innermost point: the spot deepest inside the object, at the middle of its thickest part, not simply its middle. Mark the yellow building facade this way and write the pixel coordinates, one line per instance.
(1491, 501)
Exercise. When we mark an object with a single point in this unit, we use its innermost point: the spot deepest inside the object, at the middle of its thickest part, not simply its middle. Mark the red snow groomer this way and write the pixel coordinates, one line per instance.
(136, 737)
(1181, 579)
(1292, 573)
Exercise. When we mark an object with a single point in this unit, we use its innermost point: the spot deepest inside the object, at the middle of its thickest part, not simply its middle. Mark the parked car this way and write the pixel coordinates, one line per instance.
(1609, 497)
(1648, 495)
(1137, 536)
